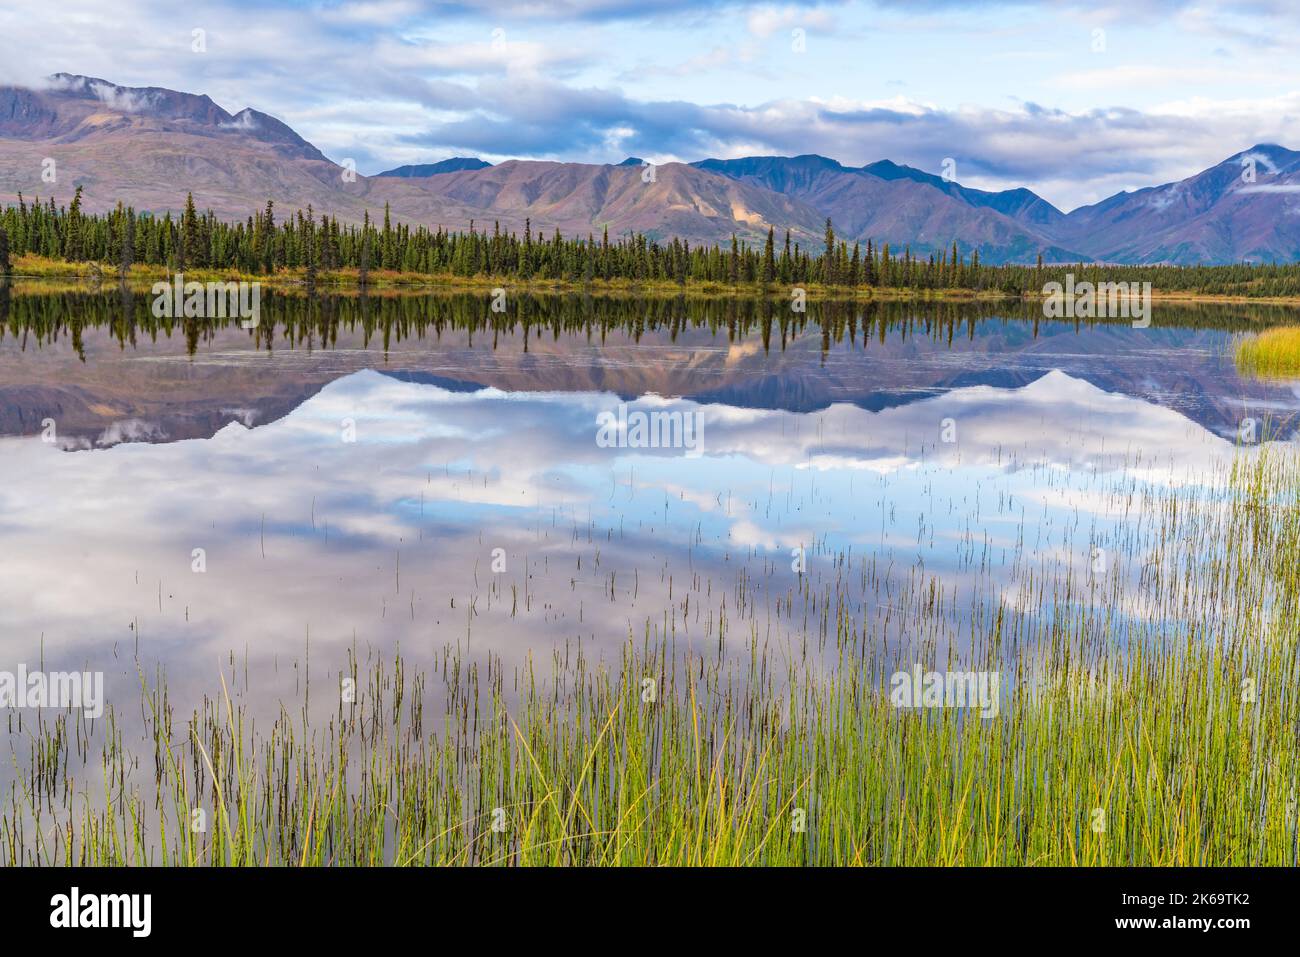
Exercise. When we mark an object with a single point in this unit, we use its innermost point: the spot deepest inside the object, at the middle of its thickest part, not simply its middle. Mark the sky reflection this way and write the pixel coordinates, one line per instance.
(314, 541)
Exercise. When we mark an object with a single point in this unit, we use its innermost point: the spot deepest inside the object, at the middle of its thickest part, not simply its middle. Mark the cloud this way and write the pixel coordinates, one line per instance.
(243, 121)
(131, 430)
(1070, 157)
(114, 97)
(393, 81)
(1127, 76)
(765, 20)
(600, 10)
(499, 54)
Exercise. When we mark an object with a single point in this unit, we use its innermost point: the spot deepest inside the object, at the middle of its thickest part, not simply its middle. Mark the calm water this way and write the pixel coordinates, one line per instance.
(415, 473)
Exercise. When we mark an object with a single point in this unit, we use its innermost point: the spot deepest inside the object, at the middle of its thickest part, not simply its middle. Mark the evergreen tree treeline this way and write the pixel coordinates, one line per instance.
(262, 245)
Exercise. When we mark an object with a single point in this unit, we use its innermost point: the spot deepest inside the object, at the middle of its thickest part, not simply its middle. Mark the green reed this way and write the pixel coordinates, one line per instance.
(1173, 745)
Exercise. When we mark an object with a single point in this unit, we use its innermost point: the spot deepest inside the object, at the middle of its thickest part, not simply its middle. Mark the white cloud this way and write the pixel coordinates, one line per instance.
(767, 20)
(393, 81)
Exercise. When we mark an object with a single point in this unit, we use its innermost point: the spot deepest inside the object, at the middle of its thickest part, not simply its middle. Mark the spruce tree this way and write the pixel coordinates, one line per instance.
(363, 272)
(310, 255)
(190, 234)
(268, 245)
(388, 245)
(72, 237)
(828, 260)
(127, 244)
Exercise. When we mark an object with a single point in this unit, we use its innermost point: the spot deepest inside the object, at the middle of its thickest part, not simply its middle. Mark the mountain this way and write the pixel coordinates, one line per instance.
(1020, 204)
(1218, 215)
(578, 198)
(149, 146)
(902, 206)
(79, 106)
(453, 165)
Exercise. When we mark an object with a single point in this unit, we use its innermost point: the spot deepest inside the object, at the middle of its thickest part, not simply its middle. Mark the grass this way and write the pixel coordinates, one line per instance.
(142, 276)
(1274, 353)
(1166, 738)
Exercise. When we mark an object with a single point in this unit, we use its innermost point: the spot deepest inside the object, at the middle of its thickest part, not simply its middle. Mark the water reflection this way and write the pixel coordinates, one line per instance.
(369, 515)
(358, 479)
(106, 371)
(350, 474)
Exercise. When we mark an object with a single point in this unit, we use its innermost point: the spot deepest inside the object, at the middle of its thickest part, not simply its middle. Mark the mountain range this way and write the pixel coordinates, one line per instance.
(148, 146)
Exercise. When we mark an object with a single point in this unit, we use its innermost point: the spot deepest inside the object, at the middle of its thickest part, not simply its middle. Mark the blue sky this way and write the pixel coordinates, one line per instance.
(1074, 100)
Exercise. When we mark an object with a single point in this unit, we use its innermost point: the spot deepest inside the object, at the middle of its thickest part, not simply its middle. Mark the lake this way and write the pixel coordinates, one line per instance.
(363, 477)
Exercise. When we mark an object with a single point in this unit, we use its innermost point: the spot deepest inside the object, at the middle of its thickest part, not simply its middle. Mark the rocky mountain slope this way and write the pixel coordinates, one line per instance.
(149, 146)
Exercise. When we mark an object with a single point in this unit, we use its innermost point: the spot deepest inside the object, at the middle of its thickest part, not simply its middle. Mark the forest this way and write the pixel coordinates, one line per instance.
(303, 244)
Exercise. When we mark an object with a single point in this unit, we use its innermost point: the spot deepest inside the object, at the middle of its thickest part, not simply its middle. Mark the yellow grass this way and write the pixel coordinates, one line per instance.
(142, 276)
(1274, 353)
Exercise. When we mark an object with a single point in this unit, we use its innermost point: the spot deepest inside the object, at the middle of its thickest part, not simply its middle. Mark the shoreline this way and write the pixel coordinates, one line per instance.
(142, 279)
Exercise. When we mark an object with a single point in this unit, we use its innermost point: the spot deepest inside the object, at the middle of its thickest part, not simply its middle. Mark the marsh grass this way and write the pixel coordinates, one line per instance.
(1274, 353)
(1173, 745)
(140, 277)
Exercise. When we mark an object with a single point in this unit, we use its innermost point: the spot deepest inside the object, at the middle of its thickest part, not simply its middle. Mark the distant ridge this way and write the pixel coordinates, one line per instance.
(908, 207)
(453, 165)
